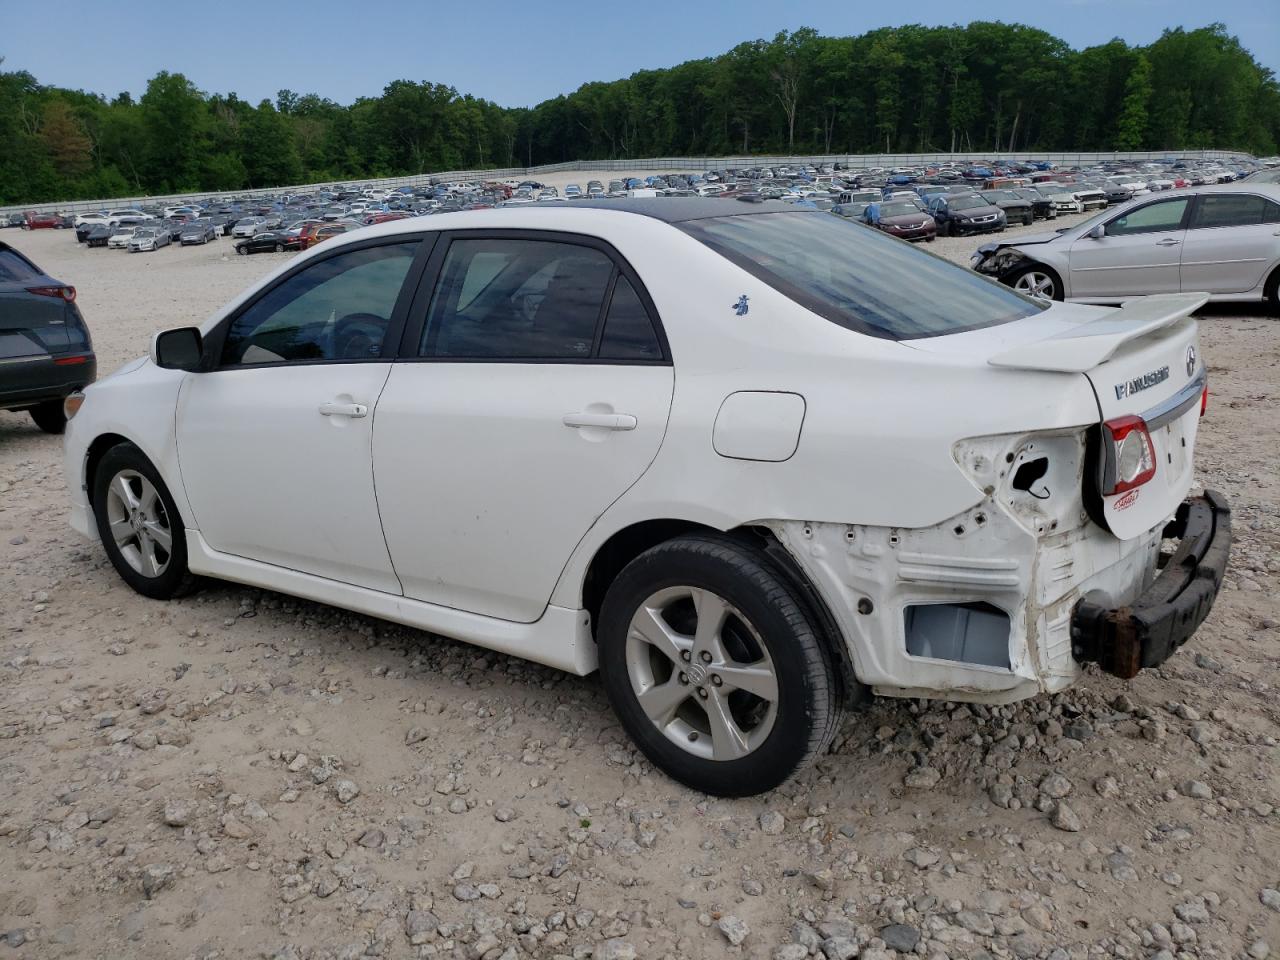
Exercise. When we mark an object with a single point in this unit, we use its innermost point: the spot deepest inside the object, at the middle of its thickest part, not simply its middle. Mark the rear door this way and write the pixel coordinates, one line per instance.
(1140, 253)
(1232, 241)
(532, 392)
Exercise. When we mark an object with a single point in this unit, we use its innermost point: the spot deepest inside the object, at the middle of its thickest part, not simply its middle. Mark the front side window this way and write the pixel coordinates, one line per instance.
(516, 299)
(1153, 218)
(1233, 210)
(336, 309)
(861, 279)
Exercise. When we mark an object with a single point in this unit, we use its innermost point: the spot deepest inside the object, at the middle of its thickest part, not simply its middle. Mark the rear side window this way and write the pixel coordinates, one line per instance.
(858, 278)
(1233, 210)
(15, 269)
(514, 299)
(628, 332)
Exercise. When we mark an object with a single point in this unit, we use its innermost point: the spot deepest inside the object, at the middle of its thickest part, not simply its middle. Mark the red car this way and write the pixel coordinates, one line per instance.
(40, 221)
(385, 217)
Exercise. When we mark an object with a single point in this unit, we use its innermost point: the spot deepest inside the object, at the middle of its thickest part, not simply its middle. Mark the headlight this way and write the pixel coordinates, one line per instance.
(72, 404)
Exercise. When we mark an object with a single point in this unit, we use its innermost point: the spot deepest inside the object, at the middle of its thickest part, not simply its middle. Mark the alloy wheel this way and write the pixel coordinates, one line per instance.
(1035, 283)
(139, 523)
(701, 673)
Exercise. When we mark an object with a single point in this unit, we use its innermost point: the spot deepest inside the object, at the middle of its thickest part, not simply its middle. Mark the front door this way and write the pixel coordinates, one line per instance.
(535, 394)
(1139, 253)
(275, 442)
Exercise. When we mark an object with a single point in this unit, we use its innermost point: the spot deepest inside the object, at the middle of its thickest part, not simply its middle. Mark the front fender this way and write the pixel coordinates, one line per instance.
(138, 402)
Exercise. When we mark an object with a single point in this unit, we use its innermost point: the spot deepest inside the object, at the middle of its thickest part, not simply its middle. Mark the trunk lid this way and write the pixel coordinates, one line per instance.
(1142, 359)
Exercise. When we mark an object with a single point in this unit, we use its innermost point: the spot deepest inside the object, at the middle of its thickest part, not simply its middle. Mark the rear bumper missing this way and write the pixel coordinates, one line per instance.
(1124, 640)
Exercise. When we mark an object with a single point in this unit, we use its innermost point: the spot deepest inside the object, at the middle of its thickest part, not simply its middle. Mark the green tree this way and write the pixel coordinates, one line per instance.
(1131, 128)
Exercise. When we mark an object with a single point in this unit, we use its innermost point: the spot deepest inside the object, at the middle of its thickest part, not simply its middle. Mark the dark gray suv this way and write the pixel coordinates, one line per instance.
(45, 350)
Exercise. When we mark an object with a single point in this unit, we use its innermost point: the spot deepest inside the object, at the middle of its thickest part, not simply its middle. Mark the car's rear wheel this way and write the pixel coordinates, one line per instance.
(49, 416)
(715, 668)
(1036, 281)
(139, 524)
(279, 248)
(1271, 293)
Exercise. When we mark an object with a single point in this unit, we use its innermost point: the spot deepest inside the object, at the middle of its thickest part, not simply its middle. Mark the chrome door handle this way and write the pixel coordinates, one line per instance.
(1166, 242)
(353, 410)
(609, 421)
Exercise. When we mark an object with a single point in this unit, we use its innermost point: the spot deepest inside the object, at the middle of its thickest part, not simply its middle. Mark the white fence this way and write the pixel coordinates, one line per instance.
(687, 164)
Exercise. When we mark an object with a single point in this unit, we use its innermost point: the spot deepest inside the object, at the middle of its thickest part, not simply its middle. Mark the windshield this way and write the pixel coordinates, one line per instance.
(899, 209)
(861, 279)
(967, 203)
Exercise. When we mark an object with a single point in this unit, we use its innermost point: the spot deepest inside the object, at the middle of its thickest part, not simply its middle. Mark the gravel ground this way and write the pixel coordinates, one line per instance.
(240, 774)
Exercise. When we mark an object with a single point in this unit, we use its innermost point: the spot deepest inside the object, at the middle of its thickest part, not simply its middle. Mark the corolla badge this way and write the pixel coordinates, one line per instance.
(741, 308)
(1191, 360)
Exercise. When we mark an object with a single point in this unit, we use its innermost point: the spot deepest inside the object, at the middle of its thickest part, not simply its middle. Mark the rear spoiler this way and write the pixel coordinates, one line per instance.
(1095, 341)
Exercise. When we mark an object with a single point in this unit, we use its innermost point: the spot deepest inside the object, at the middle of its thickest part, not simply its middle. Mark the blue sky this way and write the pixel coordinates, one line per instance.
(514, 54)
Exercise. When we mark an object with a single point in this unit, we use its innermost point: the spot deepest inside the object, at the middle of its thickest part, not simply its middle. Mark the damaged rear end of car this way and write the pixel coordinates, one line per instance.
(1083, 543)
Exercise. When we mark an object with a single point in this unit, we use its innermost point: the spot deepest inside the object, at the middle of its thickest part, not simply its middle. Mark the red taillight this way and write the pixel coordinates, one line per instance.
(1204, 401)
(63, 293)
(70, 361)
(1132, 456)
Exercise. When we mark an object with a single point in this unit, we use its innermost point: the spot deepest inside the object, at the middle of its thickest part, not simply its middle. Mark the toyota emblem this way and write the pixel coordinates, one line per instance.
(1191, 360)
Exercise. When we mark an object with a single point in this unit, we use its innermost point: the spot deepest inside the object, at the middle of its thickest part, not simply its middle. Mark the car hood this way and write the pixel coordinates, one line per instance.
(1033, 239)
(906, 219)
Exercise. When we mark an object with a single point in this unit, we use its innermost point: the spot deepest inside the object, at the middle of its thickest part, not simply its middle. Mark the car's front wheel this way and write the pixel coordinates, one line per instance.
(715, 668)
(1036, 281)
(139, 524)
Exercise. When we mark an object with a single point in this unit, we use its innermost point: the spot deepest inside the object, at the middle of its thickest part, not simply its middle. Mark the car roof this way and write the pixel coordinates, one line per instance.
(682, 209)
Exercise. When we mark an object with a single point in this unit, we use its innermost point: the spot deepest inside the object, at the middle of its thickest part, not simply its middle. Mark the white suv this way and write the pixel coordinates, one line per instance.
(744, 459)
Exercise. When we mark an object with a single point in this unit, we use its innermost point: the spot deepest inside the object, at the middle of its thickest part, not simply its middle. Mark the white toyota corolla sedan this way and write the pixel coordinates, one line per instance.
(745, 459)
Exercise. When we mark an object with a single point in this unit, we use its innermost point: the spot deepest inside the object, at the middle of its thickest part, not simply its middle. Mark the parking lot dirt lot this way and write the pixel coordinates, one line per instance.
(239, 774)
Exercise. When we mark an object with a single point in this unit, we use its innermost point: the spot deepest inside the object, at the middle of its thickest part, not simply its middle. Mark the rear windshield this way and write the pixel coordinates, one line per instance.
(15, 269)
(859, 278)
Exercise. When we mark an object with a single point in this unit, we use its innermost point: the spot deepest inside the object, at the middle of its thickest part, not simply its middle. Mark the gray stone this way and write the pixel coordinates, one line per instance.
(772, 823)
(345, 790)
(178, 813)
(900, 936)
(1055, 785)
(734, 929)
(1064, 818)
(1270, 897)
(615, 949)
(1192, 911)
(922, 778)
(156, 877)
(1196, 790)
(977, 922)
(839, 948)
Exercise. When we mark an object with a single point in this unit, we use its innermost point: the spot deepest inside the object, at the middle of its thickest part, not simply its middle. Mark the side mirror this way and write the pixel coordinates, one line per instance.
(1098, 232)
(179, 349)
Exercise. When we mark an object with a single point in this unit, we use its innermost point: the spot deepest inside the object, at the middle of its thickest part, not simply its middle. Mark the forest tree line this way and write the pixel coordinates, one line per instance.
(983, 87)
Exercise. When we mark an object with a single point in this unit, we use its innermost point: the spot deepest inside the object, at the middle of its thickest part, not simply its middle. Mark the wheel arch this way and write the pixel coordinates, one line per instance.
(626, 544)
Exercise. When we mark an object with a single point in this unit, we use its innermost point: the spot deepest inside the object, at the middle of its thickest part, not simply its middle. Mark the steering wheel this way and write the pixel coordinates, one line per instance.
(358, 336)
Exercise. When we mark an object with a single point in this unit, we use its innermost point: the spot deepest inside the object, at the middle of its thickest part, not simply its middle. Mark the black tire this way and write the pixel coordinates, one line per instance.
(49, 416)
(175, 579)
(808, 707)
(242, 250)
(1012, 279)
(1271, 293)
(279, 248)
